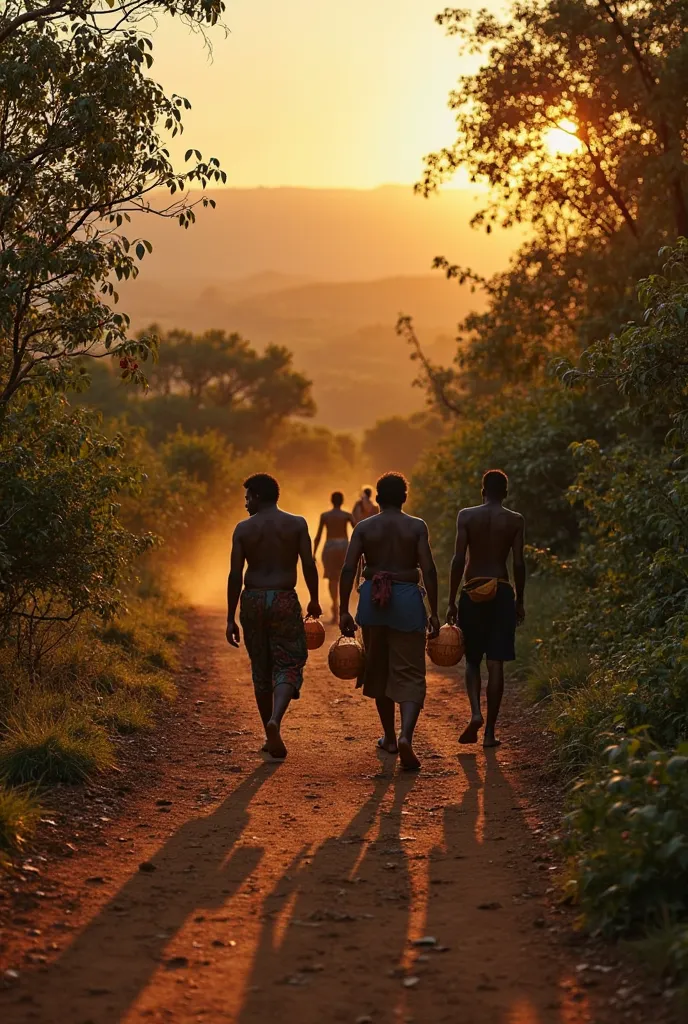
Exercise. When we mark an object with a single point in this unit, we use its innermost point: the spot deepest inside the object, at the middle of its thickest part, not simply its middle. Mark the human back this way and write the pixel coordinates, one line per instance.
(336, 523)
(271, 541)
(491, 531)
(390, 543)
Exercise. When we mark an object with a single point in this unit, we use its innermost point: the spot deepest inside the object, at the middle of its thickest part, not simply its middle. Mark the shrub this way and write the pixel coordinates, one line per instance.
(628, 839)
(47, 751)
(19, 813)
(125, 713)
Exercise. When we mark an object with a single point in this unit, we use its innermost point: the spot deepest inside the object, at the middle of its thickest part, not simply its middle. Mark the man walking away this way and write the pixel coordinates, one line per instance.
(487, 612)
(270, 542)
(392, 613)
(336, 524)
(365, 506)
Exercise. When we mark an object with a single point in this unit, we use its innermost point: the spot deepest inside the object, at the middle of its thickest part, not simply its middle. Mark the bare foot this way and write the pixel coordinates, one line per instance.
(389, 746)
(408, 759)
(470, 733)
(491, 740)
(275, 744)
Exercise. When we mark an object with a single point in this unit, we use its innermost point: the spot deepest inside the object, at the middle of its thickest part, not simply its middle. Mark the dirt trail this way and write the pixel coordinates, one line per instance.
(294, 892)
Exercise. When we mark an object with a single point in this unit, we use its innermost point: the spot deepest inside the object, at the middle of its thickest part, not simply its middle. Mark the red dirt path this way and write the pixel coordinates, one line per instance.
(294, 892)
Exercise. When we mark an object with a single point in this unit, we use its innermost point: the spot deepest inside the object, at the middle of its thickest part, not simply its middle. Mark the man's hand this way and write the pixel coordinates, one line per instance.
(520, 613)
(347, 624)
(452, 613)
(433, 627)
(314, 609)
(233, 634)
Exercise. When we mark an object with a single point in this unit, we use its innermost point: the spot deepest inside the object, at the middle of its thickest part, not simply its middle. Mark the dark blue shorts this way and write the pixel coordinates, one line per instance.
(489, 627)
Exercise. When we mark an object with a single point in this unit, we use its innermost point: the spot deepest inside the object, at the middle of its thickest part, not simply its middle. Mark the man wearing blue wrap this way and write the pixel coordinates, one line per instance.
(391, 612)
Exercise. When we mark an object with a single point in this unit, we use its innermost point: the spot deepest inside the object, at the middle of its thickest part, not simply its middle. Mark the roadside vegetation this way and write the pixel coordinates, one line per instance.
(574, 381)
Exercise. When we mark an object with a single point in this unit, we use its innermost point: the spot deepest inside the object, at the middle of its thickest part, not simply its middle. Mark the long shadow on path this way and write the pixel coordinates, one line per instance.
(113, 959)
(336, 957)
(483, 900)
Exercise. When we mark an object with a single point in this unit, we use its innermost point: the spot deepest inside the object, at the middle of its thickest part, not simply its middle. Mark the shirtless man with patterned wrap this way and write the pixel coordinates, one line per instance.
(391, 612)
(271, 542)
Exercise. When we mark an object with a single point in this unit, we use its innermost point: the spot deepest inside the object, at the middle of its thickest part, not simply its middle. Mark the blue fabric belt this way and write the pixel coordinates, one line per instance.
(405, 611)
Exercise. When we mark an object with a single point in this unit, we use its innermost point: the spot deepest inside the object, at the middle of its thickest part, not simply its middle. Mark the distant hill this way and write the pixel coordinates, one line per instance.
(323, 234)
(325, 272)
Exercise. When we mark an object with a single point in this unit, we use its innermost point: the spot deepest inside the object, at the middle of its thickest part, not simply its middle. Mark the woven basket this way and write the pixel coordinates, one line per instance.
(447, 648)
(315, 633)
(346, 658)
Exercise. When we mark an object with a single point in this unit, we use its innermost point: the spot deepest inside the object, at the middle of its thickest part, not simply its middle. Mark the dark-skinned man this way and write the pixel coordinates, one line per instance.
(391, 612)
(336, 525)
(270, 543)
(488, 611)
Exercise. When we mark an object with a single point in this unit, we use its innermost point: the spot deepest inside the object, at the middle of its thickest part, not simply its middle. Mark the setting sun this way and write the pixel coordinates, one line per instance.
(563, 138)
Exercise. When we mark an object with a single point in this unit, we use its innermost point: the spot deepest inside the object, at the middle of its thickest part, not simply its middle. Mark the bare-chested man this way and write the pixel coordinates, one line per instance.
(391, 612)
(336, 524)
(365, 506)
(487, 613)
(271, 542)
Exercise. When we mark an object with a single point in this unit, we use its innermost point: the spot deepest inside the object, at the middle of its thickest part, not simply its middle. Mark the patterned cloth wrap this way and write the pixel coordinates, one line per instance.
(275, 639)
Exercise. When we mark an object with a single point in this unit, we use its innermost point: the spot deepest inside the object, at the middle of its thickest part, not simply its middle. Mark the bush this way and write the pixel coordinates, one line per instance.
(19, 813)
(628, 839)
(47, 751)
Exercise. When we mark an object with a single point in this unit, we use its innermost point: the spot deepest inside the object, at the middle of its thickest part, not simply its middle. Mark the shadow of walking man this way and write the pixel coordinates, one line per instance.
(336, 955)
(110, 963)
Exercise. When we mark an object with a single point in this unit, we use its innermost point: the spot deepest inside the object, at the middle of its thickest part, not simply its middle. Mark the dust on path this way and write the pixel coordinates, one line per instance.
(295, 891)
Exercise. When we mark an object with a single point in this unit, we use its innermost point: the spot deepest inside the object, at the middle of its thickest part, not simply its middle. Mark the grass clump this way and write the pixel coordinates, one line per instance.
(125, 714)
(19, 814)
(42, 752)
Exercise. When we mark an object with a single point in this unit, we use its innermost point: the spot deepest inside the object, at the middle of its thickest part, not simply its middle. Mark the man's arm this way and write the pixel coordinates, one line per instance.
(310, 570)
(427, 567)
(520, 570)
(346, 581)
(234, 584)
(457, 566)
(318, 535)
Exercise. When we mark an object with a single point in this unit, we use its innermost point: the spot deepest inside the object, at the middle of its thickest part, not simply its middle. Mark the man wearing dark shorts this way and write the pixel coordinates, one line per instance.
(271, 542)
(488, 612)
(336, 525)
(391, 612)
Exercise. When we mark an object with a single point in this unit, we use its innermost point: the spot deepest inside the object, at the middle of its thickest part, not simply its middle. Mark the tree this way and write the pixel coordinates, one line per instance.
(613, 75)
(608, 83)
(81, 148)
(63, 547)
(218, 381)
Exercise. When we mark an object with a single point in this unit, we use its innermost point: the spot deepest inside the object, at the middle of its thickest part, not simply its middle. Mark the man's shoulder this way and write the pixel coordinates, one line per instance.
(415, 523)
(471, 511)
(516, 516)
(290, 519)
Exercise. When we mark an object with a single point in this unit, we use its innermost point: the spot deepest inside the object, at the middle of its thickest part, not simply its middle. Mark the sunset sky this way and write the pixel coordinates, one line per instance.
(314, 93)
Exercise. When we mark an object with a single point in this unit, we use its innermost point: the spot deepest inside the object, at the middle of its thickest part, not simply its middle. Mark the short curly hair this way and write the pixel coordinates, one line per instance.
(392, 489)
(263, 487)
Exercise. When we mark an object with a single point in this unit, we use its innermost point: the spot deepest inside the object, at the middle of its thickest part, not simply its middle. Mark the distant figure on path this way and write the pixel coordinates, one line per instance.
(336, 524)
(392, 613)
(271, 542)
(365, 506)
(488, 612)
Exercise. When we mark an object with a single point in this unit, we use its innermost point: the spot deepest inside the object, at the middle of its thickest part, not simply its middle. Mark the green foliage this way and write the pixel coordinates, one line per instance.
(63, 548)
(36, 751)
(397, 443)
(81, 151)
(530, 440)
(19, 813)
(628, 839)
